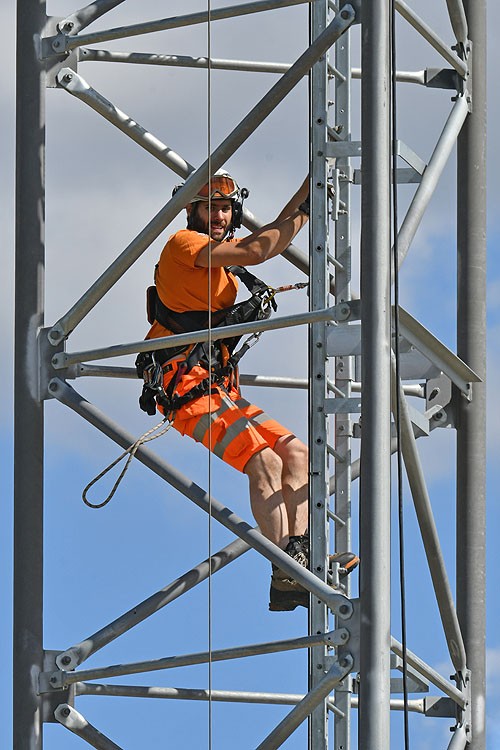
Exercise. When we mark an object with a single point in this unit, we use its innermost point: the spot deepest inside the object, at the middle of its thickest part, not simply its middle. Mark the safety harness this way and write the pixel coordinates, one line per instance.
(222, 360)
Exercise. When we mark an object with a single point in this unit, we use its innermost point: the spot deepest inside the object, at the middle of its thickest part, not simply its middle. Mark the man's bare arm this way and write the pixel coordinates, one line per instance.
(267, 242)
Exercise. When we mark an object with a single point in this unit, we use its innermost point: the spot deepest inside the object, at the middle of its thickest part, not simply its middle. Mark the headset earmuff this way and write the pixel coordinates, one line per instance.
(238, 209)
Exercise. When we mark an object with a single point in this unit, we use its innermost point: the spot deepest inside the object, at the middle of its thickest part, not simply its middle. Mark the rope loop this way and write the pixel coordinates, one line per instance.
(131, 450)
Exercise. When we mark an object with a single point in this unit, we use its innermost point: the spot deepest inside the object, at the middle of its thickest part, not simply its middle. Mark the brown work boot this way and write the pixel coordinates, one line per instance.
(285, 593)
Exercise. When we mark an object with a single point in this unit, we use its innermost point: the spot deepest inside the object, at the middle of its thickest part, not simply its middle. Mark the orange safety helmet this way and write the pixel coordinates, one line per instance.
(222, 185)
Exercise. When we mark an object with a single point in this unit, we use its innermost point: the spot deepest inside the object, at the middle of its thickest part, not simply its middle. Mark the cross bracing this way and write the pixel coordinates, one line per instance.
(354, 652)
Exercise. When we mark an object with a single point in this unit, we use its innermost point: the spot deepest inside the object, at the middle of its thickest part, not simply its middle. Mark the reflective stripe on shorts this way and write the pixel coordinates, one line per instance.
(238, 431)
(204, 421)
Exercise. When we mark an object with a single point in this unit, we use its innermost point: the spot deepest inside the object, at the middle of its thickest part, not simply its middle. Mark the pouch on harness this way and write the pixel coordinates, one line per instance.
(222, 360)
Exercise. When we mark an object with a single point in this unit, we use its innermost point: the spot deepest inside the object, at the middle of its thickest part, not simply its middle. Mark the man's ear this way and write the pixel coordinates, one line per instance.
(188, 208)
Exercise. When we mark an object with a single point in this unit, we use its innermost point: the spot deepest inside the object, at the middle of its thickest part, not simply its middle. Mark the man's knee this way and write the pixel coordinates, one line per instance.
(292, 452)
(265, 465)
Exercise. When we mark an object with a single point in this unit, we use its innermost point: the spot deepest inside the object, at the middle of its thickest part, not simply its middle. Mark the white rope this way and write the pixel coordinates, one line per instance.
(132, 450)
(209, 148)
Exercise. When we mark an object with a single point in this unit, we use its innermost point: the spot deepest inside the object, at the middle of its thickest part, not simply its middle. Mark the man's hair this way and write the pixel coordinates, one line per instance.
(192, 217)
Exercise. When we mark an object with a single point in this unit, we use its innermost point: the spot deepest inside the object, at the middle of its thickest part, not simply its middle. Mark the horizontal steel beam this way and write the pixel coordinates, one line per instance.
(402, 76)
(198, 178)
(264, 381)
(338, 312)
(64, 678)
(193, 694)
(416, 705)
(180, 61)
(175, 22)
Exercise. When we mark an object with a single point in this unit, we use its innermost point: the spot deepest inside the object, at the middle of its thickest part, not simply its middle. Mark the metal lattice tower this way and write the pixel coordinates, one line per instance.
(351, 650)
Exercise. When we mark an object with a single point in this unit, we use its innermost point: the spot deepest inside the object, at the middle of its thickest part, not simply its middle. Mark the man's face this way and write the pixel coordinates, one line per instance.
(221, 213)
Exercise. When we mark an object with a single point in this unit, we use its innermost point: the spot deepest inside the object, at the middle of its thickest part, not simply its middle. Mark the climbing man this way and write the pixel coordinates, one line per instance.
(197, 386)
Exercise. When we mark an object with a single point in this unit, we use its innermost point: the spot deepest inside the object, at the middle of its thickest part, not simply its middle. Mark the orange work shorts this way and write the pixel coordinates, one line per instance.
(225, 422)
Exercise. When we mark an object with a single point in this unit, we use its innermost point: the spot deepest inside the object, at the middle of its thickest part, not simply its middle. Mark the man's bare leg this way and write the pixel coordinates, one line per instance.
(264, 472)
(294, 482)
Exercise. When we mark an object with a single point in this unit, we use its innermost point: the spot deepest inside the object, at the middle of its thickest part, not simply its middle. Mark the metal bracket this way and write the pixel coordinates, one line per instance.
(55, 57)
(46, 371)
(342, 405)
(342, 149)
(444, 707)
(410, 157)
(441, 78)
(404, 176)
(440, 416)
(62, 695)
(464, 717)
(464, 85)
(438, 391)
(356, 5)
(432, 348)
(351, 648)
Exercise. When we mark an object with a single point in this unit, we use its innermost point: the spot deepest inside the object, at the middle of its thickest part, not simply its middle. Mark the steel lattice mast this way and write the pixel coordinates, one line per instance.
(353, 652)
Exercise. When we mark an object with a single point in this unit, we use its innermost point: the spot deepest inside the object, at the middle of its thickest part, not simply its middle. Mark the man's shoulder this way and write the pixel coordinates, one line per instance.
(183, 247)
(187, 235)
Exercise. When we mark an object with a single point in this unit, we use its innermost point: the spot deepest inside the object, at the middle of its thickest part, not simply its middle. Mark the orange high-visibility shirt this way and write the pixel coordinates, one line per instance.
(182, 286)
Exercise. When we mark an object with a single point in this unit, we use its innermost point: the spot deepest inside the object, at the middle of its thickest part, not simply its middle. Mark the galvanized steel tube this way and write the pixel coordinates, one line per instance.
(471, 347)
(193, 694)
(375, 487)
(458, 19)
(28, 417)
(180, 61)
(64, 359)
(172, 662)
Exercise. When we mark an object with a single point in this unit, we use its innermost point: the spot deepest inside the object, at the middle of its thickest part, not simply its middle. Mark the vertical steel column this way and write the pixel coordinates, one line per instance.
(318, 293)
(343, 365)
(374, 700)
(28, 429)
(471, 347)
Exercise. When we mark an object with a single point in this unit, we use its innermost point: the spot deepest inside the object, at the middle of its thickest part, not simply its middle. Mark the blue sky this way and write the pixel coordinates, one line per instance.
(100, 563)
